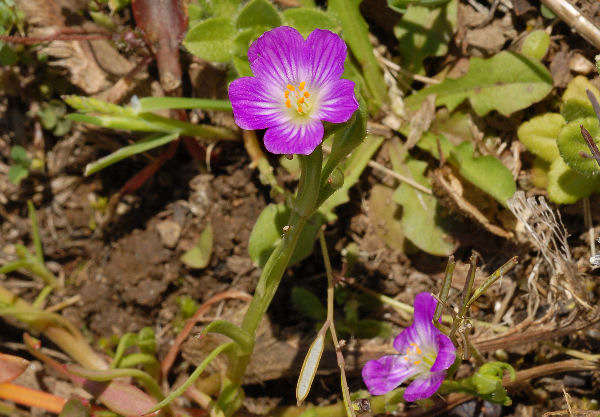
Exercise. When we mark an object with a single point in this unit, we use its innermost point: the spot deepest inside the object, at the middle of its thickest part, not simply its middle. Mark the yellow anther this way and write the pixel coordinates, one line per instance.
(418, 350)
(406, 358)
(290, 87)
(301, 100)
(286, 94)
(301, 86)
(300, 110)
(306, 94)
(288, 103)
(417, 362)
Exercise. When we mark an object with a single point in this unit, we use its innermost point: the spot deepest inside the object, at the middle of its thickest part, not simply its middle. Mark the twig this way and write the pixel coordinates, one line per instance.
(336, 344)
(573, 17)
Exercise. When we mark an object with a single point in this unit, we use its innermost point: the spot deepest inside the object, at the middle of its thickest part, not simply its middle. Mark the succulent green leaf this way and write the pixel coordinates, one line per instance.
(424, 32)
(308, 19)
(539, 135)
(268, 231)
(211, 39)
(506, 82)
(576, 89)
(204, 9)
(258, 13)
(485, 172)
(151, 142)
(572, 146)
(422, 220)
(235, 333)
(19, 155)
(536, 44)
(199, 256)
(566, 186)
(573, 109)
(308, 304)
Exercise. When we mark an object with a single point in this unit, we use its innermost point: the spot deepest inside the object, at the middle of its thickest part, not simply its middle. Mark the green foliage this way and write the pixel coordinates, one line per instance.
(258, 13)
(507, 82)
(268, 232)
(573, 148)
(422, 221)
(485, 172)
(139, 117)
(536, 44)
(425, 31)
(306, 20)
(556, 139)
(199, 256)
(211, 39)
(52, 117)
(402, 5)
(10, 17)
(486, 383)
(356, 33)
(354, 305)
(20, 169)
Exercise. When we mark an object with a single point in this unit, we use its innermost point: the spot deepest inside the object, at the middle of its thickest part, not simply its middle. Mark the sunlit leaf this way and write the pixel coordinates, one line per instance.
(573, 148)
(211, 39)
(539, 135)
(536, 44)
(425, 31)
(258, 13)
(199, 256)
(506, 82)
(308, 19)
(566, 186)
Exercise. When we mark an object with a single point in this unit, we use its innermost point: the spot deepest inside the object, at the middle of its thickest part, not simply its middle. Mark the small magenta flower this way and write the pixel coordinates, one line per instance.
(426, 354)
(296, 84)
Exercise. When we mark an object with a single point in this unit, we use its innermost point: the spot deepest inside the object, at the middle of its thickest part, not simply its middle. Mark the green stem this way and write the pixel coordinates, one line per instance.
(305, 205)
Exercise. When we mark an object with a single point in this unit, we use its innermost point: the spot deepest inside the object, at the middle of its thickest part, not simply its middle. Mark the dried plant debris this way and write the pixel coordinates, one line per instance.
(545, 229)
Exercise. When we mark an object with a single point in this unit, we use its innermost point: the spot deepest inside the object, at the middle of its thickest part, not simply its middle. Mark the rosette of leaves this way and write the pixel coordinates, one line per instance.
(563, 165)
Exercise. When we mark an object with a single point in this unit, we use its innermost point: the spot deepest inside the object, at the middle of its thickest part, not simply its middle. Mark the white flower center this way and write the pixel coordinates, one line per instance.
(297, 98)
(415, 355)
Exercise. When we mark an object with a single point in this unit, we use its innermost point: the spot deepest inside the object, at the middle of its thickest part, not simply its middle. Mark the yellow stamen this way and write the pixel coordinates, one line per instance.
(418, 350)
(301, 100)
(301, 86)
(290, 87)
(288, 103)
(406, 358)
(286, 94)
(306, 94)
(417, 362)
(300, 110)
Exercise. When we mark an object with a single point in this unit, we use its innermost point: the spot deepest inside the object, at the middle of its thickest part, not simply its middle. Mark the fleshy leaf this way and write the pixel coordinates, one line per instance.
(576, 89)
(11, 367)
(268, 230)
(506, 82)
(211, 39)
(75, 408)
(258, 13)
(566, 186)
(536, 44)
(308, 19)
(572, 146)
(486, 172)
(576, 109)
(425, 31)
(539, 135)
(199, 256)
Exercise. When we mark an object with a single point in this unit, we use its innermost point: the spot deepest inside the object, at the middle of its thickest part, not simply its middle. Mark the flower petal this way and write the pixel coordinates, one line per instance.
(290, 138)
(253, 108)
(446, 353)
(326, 53)
(405, 338)
(337, 102)
(424, 310)
(422, 388)
(278, 57)
(386, 373)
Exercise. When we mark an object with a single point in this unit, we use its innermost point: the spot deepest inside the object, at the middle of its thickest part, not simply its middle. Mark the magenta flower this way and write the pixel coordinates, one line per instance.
(296, 84)
(426, 354)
